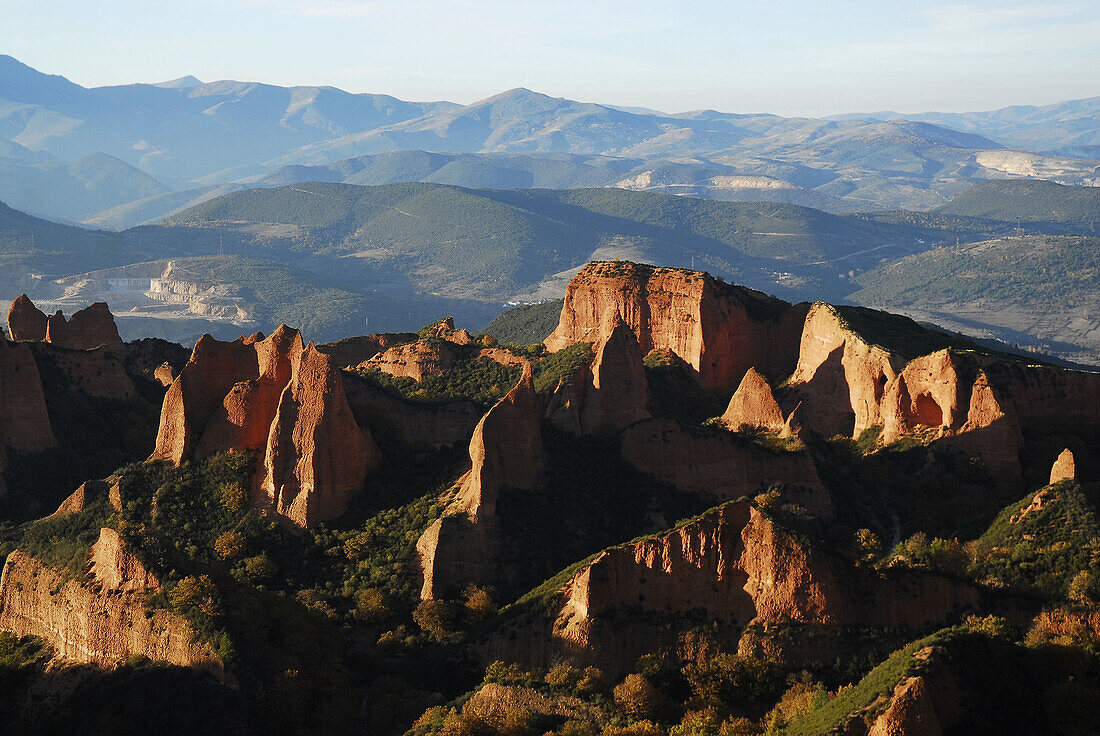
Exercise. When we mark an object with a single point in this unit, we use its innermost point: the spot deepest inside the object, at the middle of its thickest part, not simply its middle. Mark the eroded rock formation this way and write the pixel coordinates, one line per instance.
(282, 399)
(505, 453)
(1064, 468)
(733, 564)
(24, 421)
(87, 328)
(718, 329)
(103, 622)
(415, 360)
(26, 321)
(753, 404)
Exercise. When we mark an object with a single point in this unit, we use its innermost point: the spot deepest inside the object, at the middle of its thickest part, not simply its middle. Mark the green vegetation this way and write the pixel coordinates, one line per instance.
(470, 377)
(526, 325)
(562, 365)
(1029, 201)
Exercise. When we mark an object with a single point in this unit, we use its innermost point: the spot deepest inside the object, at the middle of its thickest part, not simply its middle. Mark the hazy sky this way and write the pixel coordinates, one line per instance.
(788, 57)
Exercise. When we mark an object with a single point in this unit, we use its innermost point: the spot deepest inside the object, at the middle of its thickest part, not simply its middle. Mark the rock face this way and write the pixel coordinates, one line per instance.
(753, 404)
(278, 398)
(840, 378)
(911, 712)
(1063, 468)
(26, 321)
(96, 372)
(505, 453)
(720, 330)
(720, 463)
(415, 360)
(317, 456)
(354, 350)
(609, 394)
(104, 622)
(88, 493)
(88, 328)
(165, 374)
(24, 421)
(733, 564)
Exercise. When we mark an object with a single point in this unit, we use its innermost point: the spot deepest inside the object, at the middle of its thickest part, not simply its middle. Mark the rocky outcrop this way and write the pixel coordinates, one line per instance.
(731, 565)
(609, 394)
(87, 328)
(753, 405)
(103, 622)
(87, 494)
(96, 372)
(416, 424)
(1064, 468)
(282, 399)
(24, 421)
(840, 378)
(719, 330)
(165, 374)
(317, 456)
(505, 453)
(911, 712)
(354, 350)
(26, 321)
(415, 360)
(721, 463)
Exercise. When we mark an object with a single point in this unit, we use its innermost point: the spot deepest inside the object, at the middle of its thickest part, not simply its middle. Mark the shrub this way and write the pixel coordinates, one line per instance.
(260, 567)
(195, 593)
(435, 618)
(371, 606)
(591, 681)
(233, 496)
(563, 676)
(479, 603)
(992, 626)
(229, 544)
(1084, 589)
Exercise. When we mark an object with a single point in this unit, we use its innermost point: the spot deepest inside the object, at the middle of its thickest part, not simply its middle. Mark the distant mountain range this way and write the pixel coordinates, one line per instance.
(132, 154)
(335, 258)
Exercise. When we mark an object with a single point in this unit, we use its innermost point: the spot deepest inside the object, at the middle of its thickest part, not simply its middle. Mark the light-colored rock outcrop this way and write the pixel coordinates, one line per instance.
(103, 622)
(505, 453)
(719, 330)
(911, 712)
(753, 404)
(88, 493)
(282, 399)
(24, 421)
(165, 374)
(415, 360)
(26, 321)
(840, 378)
(1064, 467)
(354, 350)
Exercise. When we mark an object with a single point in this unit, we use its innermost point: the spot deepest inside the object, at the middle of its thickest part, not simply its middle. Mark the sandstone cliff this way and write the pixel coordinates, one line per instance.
(721, 463)
(103, 621)
(24, 421)
(718, 329)
(1063, 468)
(354, 350)
(505, 453)
(87, 328)
(415, 360)
(282, 399)
(734, 566)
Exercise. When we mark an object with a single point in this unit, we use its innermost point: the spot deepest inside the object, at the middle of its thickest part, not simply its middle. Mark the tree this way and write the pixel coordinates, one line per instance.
(196, 593)
(229, 544)
(636, 696)
(435, 618)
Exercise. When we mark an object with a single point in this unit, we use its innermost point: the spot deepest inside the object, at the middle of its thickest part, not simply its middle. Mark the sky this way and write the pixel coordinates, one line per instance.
(786, 57)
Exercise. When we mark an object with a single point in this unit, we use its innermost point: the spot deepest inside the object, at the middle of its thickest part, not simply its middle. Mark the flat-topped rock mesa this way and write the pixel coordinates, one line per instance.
(415, 360)
(87, 328)
(733, 564)
(609, 394)
(24, 421)
(281, 399)
(720, 330)
(102, 622)
(505, 453)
